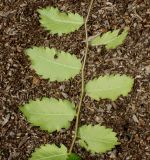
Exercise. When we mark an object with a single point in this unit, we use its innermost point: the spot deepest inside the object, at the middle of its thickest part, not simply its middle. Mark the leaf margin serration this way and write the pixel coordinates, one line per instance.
(62, 146)
(56, 52)
(93, 81)
(57, 11)
(83, 143)
(65, 126)
(122, 36)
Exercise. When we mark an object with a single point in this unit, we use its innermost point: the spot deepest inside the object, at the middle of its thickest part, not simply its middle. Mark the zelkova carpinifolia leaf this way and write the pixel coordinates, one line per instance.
(109, 87)
(97, 139)
(110, 39)
(73, 156)
(52, 64)
(50, 152)
(59, 22)
(49, 114)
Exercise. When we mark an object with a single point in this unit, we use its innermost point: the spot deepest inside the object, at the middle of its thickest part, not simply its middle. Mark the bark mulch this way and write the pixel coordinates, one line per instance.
(128, 116)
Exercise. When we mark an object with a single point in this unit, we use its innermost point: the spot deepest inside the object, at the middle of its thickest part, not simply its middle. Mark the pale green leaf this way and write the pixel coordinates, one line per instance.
(52, 64)
(59, 22)
(110, 39)
(50, 114)
(109, 86)
(50, 152)
(97, 139)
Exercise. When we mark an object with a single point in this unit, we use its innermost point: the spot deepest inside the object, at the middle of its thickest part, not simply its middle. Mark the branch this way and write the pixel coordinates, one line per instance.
(83, 79)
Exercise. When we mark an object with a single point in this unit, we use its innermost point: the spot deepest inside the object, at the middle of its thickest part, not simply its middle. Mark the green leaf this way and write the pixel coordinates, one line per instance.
(110, 39)
(50, 152)
(58, 22)
(49, 114)
(97, 139)
(109, 86)
(73, 156)
(52, 64)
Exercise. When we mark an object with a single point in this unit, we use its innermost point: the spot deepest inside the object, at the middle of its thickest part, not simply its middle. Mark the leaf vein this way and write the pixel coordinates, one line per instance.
(60, 64)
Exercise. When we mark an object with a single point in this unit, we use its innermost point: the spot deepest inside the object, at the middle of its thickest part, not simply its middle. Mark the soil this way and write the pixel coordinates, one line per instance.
(128, 116)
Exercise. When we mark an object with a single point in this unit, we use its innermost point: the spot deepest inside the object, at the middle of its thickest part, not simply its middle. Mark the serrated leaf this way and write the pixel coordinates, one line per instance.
(50, 114)
(97, 139)
(62, 68)
(73, 156)
(50, 152)
(110, 39)
(109, 86)
(59, 22)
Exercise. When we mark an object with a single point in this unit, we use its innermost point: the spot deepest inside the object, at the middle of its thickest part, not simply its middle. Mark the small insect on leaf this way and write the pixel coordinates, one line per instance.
(110, 39)
(97, 139)
(59, 22)
(109, 87)
(50, 114)
(52, 64)
(50, 152)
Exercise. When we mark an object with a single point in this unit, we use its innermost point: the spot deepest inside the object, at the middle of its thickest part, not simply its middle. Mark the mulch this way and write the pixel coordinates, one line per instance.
(128, 116)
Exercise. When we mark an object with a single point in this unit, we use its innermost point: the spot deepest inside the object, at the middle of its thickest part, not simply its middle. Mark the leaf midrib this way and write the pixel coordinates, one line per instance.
(105, 90)
(50, 114)
(113, 39)
(50, 61)
(108, 41)
(64, 21)
(106, 141)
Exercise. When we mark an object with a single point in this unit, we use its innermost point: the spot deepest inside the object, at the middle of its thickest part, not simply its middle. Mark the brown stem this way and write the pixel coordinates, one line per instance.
(83, 79)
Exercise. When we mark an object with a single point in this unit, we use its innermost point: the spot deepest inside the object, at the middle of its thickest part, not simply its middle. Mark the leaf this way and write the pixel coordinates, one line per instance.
(97, 139)
(58, 22)
(50, 114)
(109, 86)
(50, 152)
(110, 39)
(46, 64)
(73, 156)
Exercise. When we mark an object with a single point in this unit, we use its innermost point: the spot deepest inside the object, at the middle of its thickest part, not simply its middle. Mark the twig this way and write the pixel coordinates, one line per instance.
(83, 80)
(137, 15)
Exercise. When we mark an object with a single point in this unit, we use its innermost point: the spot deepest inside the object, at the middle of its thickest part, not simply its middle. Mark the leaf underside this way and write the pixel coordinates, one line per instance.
(52, 64)
(49, 114)
(50, 152)
(97, 139)
(110, 39)
(109, 87)
(59, 22)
